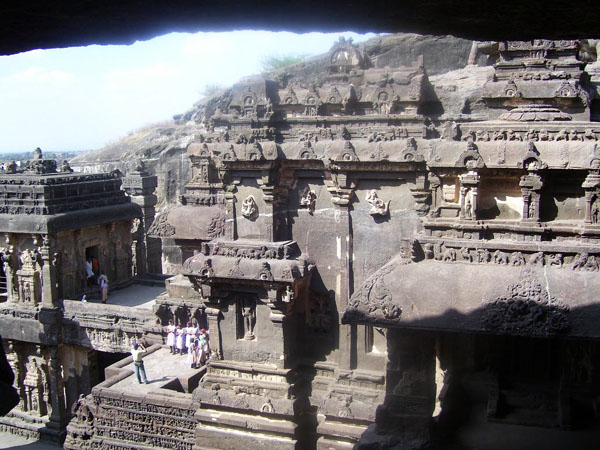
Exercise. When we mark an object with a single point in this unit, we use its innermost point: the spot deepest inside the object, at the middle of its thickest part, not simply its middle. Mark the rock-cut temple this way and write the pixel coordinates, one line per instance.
(379, 262)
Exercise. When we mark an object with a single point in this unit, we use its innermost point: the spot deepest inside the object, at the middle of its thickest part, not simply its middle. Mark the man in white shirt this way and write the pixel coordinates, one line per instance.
(137, 352)
(89, 272)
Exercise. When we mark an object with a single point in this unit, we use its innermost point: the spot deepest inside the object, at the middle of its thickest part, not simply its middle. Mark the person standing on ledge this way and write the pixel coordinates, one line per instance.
(137, 352)
(103, 282)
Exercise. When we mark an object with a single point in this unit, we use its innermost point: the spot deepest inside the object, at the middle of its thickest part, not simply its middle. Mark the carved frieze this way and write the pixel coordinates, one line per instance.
(161, 226)
(445, 251)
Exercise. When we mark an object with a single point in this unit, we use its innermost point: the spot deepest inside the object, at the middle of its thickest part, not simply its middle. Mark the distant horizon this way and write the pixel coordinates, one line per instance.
(64, 100)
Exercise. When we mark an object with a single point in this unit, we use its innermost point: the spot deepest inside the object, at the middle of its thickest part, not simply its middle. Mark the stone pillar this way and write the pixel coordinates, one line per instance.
(11, 265)
(342, 191)
(140, 186)
(592, 197)
(268, 189)
(531, 186)
(230, 221)
(213, 316)
(404, 420)
(58, 415)
(49, 291)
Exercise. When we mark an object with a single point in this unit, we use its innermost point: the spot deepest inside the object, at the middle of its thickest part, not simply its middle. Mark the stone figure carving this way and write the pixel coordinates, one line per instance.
(249, 315)
(554, 260)
(469, 204)
(585, 261)
(265, 272)
(28, 259)
(288, 295)
(526, 310)
(595, 211)
(268, 108)
(11, 167)
(308, 198)
(65, 167)
(161, 226)
(249, 208)
(378, 206)
(374, 301)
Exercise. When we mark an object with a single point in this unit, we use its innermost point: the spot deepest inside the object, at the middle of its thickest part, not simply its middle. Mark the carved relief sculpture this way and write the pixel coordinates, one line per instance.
(249, 208)
(308, 199)
(379, 208)
(249, 316)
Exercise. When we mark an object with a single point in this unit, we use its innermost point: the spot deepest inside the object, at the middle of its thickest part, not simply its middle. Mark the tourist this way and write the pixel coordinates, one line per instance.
(192, 357)
(179, 339)
(103, 282)
(171, 336)
(191, 332)
(89, 273)
(203, 346)
(137, 352)
(183, 340)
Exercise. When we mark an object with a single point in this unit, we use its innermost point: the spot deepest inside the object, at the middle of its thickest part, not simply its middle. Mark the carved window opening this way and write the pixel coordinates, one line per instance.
(500, 198)
(375, 340)
(562, 197)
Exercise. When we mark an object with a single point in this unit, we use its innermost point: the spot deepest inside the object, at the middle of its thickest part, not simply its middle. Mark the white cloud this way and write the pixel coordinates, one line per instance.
(38, 74)
(157, 73)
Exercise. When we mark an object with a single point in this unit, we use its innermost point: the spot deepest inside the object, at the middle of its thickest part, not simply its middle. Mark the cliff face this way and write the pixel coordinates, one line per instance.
(162, 146)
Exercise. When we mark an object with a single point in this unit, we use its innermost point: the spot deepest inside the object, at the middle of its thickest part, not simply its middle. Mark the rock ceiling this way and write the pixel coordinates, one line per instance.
(37, 24)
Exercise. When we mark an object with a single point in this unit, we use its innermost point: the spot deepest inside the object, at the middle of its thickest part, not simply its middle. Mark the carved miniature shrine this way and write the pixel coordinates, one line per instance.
(53, 222)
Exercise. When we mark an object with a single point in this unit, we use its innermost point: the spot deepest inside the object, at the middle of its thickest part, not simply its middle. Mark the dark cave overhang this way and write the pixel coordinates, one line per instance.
(37, 24)
(520, 300)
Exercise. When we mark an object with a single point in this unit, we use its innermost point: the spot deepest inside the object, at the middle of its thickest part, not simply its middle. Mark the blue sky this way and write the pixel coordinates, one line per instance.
(84, 97)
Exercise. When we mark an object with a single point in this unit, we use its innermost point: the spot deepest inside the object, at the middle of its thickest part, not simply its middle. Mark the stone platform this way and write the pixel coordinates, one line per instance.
(135, 296)
(164, 371)
(121, 413)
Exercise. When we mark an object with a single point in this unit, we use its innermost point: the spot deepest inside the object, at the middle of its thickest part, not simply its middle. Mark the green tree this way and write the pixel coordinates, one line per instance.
(276, 62)
(211, 90)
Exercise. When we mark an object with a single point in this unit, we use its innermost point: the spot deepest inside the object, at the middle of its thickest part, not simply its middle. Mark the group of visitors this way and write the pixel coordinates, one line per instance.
(191, 341)
(91, 271)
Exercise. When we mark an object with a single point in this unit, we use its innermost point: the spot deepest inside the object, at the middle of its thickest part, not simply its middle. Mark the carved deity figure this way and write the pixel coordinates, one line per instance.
(288, 296)
(65, 167)
(595, 211)
(378, 206)
(268, 107)
(249, 315)
(308, 199)
(469, 204)
(249, 207)
(28, 259)
(531, 213)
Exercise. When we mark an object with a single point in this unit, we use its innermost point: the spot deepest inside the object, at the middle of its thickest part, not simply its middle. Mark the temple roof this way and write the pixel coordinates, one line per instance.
(481, 297)
(50, 202)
